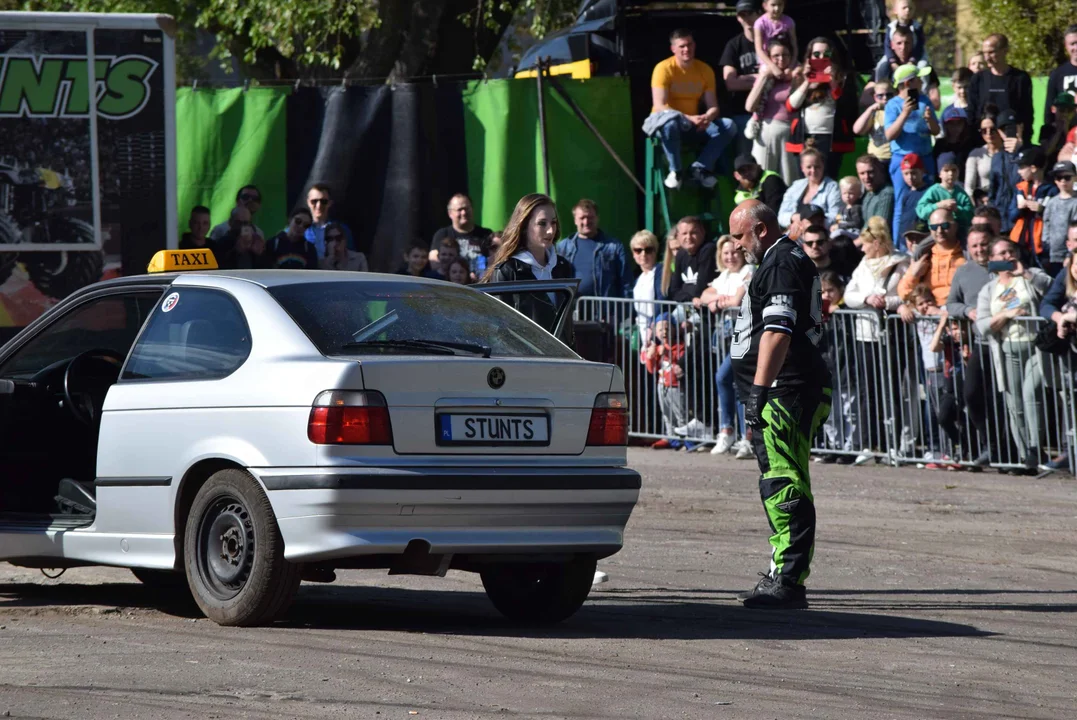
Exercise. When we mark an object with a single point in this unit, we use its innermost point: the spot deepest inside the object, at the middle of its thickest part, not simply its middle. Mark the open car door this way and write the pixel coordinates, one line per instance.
(549, 303)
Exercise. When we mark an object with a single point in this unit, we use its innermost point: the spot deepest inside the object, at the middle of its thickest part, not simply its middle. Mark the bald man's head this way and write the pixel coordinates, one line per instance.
(754, 228)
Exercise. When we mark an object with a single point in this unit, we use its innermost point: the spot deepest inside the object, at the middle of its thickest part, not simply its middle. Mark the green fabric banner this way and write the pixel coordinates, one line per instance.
(504, 150)
(227, 139)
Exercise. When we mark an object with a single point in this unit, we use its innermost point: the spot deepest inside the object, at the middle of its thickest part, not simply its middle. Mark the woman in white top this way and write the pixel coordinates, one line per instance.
(874, 287)
(724, 294)
(648, 286)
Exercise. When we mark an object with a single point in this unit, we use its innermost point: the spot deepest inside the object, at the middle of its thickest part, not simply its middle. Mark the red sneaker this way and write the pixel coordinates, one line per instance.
(662, 444)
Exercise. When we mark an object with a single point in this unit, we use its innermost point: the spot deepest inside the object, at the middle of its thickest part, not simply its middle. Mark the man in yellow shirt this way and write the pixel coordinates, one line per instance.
(678, 84)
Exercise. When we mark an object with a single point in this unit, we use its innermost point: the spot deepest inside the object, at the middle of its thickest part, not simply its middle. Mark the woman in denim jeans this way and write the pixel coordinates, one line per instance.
(725, 294)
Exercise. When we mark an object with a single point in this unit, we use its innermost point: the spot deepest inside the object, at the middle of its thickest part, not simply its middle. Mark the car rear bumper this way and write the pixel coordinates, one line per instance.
(326, 514)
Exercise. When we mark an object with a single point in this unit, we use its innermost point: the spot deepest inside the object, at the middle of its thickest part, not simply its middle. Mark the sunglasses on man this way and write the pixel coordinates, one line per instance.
(334, 237)
(939, 226)
(1064, 178)
(319, 201)
(248, 197)
(813, 243)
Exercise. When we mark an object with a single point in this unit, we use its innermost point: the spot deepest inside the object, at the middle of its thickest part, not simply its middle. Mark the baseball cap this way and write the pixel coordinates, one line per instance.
(1006, 117)
(1064, 100)
(744, 6)
(910, 161)
(743, 161)
(954, 113)
(1031, 155)
(807, 210)
(1064, 168)
(909, 71)
(946, 158)
(914, 239)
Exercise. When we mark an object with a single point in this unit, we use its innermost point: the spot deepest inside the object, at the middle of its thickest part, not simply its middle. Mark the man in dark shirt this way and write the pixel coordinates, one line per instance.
(290, 248)
(784, 381)
(694, 262)
(1063, 78)
(1003, 85)
(739, 66)
(198, 237)
(828, 255)
(474, 239)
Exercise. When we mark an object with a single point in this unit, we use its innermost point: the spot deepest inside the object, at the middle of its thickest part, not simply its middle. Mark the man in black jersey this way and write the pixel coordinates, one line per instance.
(785, 384)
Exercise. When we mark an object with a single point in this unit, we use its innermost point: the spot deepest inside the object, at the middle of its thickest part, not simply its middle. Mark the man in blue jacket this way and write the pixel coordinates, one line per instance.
(599, 259)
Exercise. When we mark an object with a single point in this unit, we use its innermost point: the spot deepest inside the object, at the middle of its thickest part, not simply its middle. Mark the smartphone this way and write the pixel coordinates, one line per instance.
(817, 72)
(1009, 131)
(914, 94)
(997, 266)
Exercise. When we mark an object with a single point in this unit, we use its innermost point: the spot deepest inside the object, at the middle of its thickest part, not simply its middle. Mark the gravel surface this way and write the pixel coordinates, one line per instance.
(933, 595)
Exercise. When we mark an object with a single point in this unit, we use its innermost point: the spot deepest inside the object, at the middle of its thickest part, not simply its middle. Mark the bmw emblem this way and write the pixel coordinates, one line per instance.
(496, 378)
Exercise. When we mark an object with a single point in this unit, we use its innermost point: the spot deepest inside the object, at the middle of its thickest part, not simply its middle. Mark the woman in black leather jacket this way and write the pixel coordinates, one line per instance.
(527, 253)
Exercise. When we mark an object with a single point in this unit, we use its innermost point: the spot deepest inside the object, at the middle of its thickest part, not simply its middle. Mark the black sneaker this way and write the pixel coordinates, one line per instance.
(773, 594)
(745, 594)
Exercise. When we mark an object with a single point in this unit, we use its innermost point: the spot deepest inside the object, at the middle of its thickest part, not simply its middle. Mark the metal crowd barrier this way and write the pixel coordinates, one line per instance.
(894, 400)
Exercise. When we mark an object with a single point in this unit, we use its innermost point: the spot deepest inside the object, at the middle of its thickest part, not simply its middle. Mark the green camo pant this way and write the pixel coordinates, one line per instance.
(783, 450)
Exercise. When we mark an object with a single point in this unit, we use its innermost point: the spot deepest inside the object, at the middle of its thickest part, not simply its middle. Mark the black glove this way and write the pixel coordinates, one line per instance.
(753, 407)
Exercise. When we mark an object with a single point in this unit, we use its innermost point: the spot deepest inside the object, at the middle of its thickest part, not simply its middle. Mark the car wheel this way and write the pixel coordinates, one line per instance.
(234, 553)
(58, 274)
(9, 235)
(540, 593)
(160, 579)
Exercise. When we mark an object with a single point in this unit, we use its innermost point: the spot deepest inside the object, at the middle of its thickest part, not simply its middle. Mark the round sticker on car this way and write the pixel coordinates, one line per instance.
(170, 302)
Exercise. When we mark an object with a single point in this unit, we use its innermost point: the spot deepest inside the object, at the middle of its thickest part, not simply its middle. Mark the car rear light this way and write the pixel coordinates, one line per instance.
(609, 420)
(348, 417)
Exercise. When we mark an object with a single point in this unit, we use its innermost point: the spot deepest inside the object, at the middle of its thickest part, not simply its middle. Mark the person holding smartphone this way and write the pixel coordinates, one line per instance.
(1015, 292)
(911, 123)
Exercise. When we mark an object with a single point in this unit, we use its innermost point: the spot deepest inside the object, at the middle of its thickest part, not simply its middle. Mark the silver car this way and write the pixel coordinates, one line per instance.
(239, 432)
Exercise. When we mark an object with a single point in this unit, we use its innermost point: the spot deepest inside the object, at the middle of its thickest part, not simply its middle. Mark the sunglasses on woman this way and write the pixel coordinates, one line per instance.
(644, 250)
(821, 54)
(987, 130)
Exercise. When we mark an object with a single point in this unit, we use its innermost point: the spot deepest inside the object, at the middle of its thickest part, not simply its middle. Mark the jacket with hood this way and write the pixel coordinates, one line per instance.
(612, 274)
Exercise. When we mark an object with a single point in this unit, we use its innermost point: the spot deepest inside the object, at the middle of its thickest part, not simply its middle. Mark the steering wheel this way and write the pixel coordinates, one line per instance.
(87, 379)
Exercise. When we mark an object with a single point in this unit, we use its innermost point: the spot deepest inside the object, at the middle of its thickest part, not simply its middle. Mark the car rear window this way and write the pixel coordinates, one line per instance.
(331, 313)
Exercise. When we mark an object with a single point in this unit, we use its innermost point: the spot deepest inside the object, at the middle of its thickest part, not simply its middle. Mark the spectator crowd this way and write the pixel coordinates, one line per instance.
(954, 222)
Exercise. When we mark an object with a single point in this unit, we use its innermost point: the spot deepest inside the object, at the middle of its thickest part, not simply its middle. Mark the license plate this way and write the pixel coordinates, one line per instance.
(461, 429)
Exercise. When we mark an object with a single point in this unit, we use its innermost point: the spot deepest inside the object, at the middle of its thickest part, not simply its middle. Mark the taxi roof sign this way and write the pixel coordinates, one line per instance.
(181, 260)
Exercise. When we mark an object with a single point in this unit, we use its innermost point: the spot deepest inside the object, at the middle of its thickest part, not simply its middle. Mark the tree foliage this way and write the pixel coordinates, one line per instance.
(1033, 27)
(355, 39)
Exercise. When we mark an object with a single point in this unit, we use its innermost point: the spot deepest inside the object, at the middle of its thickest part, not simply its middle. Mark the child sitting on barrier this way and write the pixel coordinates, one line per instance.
(836, 344)
(664, 356)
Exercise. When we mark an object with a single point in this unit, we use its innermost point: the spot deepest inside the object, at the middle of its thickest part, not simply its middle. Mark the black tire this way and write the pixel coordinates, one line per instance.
(540, 593)
(160, 579)
(9, 235)
(58, 274)
(233, 553)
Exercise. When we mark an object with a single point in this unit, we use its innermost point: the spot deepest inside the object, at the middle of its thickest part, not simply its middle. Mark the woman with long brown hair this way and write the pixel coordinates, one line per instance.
(527, 253)
(824, 106)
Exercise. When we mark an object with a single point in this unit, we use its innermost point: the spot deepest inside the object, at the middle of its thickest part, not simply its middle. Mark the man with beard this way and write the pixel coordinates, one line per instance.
(783, 378)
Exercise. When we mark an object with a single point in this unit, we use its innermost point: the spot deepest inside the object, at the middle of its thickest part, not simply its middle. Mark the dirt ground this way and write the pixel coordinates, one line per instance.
(933, 595)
